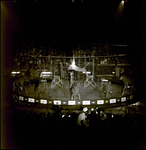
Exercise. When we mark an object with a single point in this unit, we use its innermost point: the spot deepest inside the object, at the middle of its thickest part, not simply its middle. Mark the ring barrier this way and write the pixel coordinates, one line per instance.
(118, 101)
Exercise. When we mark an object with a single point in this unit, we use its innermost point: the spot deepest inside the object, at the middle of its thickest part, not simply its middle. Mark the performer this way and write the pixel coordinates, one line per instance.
(82, 118)
(71, 79)
(117, 69)
(63, 69)
(76, 68)
(128, 83)
(122, 71)
(75, 92)
(108, 90)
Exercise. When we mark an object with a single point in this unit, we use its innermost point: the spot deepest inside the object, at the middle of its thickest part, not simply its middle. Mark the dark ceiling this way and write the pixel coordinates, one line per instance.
(68, 22)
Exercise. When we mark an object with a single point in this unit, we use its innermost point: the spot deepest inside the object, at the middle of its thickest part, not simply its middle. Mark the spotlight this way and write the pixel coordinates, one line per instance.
(122, 2)
(14, 73)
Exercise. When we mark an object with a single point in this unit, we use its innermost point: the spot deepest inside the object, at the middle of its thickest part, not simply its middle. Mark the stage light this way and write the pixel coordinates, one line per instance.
(86, 102)
(43, 101)
(15, 72)
(112, 100)
(31, 100)
(63, 116)
(123, 99)
(112, 116)
(57, 102)
(118, 100)
(71, 102)
(122, 2)
(69, 115)
(21, 98)
(100, 101)
(45, 74)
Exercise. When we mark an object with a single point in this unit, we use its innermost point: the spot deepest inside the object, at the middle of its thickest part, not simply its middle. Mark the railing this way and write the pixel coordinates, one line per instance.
(117, 102)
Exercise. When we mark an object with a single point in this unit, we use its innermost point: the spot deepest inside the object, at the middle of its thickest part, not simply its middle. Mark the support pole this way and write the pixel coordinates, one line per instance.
(51, 66)
(93, 53)
(93, 67)
(79, 51)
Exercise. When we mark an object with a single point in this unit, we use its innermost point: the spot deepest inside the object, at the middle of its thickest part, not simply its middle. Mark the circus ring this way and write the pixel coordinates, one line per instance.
(52, 86)
(44, 96)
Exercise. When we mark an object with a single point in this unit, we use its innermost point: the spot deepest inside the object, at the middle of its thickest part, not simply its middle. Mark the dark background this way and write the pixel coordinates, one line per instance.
(68, 22)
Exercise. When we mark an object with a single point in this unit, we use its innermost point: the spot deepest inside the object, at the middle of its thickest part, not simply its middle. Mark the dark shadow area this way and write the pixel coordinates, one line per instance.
(33, 130)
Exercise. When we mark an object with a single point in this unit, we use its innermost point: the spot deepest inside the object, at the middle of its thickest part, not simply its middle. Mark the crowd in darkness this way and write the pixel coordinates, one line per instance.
(60, 130)
(28, 55)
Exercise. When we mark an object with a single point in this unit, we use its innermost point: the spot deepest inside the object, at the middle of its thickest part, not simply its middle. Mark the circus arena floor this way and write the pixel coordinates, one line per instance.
(57, 92)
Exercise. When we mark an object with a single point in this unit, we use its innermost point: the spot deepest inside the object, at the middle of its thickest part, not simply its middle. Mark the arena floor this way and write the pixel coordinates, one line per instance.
(86, 93)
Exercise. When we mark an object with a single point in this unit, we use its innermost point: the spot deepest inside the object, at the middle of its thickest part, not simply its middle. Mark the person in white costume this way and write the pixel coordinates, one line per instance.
(82, 118)
(76, 68)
